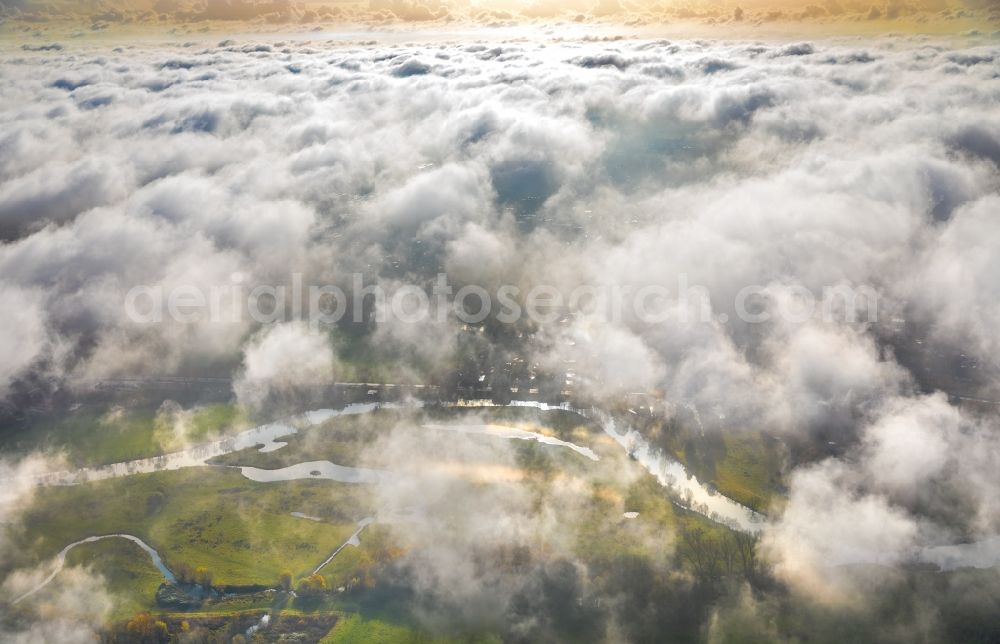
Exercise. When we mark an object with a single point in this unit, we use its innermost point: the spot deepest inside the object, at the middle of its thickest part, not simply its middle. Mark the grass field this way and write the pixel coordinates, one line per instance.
(750, 472)
(102, 434)
(358, 629)
(242, 531)
(746, 465)
(604, 534)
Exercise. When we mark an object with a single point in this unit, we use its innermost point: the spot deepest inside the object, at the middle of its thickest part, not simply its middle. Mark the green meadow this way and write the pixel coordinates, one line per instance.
(244, 534)
(242, 531)
(102, 434)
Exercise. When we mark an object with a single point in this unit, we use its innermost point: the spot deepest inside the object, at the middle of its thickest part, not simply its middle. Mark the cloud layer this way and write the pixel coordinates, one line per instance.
(796, 167)
(718, 165)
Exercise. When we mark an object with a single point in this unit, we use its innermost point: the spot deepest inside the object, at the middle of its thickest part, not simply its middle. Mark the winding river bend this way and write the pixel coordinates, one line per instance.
(60, 560)
(671, 474)
(687, 490)
(265, 437)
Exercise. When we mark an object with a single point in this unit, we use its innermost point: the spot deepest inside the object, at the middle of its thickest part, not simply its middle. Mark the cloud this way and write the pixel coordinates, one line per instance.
(918, 480)
(25, 338)
(19, 486)
(472, 516)
(827, 524)
(281, 359)
(56, 194)
(955, 287)
(74, 606)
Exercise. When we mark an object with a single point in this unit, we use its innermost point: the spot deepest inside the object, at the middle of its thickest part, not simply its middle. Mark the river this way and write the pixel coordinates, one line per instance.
(60, 560)
(687, 490)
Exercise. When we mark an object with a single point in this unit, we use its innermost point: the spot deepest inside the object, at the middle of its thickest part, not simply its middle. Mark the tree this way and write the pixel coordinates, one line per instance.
(183, 573)
(285, 581)
(312, 585)
(746, 551)
(145, 629)
(712, 556)
(701, 552)
(196, 635)
(203, 577)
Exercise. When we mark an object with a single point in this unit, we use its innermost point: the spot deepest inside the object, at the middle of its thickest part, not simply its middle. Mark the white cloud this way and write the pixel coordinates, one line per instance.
(282, 358)
(918, 480)
(23, 336)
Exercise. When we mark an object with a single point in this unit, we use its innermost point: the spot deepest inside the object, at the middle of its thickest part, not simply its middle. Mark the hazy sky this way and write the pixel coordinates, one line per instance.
(859, 16)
